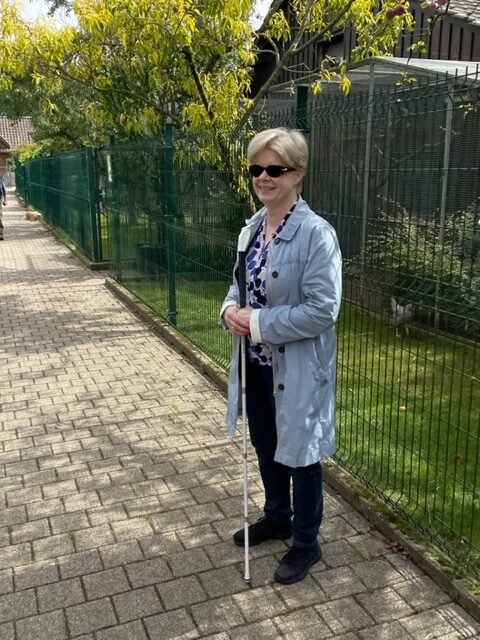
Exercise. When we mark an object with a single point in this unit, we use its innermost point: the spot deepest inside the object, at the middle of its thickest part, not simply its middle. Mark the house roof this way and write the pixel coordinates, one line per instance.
(468, 10)
(15, 132)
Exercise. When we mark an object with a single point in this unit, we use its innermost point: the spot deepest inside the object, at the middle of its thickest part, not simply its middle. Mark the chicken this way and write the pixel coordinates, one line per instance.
(402, 314)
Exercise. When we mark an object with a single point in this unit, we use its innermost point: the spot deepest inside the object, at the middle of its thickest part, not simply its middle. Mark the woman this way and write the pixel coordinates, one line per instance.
(293, 299)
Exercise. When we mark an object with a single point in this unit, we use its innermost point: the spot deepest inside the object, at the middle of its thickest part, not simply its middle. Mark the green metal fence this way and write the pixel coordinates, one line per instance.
(64, 189)
(397, 174)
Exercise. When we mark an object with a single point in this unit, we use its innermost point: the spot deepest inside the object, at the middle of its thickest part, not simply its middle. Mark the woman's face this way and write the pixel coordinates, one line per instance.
(276, 193)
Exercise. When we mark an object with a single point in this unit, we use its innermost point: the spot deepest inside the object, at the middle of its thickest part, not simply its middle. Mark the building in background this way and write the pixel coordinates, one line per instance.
(13, 133)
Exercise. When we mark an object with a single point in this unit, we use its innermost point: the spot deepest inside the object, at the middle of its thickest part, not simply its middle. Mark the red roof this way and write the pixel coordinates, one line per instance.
(15, 132)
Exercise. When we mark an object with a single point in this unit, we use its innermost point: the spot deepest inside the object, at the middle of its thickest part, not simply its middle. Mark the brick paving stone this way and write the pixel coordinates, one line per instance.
(305, 618)
(339, 582)
(81, 501)
(137, 604)
(91, 616)
(223, 582)
(14, 515)
(264, 630)
(173, 624)
(45, 509)
(130, 631)
(95, 482)
(7, 631)
(60, 595)
(344, 615)
(6, 581)
(148, 572)
(217, 615)
(53, 547)
(40, 477)
(69, 522)
(30, 531)
(384, 604)
(103, 515)
(131, 528)
(421, 593)
(15, 555)
(263, 602)
(340, 553)
(462, 622)
(14, 606)
(47, 626)
(105, 583)
(187, 562)
(160, 544)
(122, 553)
(79, 563)
(94, 537)
(35, 575)
(305, 593)
(376, 574)
(181, 592)
(393, 631)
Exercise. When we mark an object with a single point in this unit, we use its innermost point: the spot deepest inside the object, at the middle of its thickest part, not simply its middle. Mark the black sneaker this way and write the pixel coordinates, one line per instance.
(296, 563)
(263, 529)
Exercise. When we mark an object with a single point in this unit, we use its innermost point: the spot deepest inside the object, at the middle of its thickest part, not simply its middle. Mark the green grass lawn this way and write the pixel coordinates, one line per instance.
(408, 409)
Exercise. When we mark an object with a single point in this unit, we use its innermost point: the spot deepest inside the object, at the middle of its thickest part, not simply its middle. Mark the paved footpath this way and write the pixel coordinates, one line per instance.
(119, 491)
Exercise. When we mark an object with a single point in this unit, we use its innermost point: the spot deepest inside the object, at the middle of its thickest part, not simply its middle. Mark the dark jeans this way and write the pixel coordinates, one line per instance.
(306, 481)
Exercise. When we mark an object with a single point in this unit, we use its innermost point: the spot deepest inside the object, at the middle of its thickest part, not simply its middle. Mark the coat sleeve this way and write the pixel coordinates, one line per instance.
(321, 283)
(230, 299)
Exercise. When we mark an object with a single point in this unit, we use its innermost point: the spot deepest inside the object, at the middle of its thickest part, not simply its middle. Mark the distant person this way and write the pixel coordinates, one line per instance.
(293, 275)
(3, 202)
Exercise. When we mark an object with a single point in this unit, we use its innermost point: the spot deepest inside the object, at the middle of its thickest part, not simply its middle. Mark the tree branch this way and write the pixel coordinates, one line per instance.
(331, 25)
(196, 78)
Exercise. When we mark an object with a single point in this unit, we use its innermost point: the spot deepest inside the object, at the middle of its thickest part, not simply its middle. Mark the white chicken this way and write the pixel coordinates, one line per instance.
(402, 314)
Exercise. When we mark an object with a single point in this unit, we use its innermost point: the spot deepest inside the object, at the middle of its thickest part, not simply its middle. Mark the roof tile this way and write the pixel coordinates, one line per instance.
(15, 132)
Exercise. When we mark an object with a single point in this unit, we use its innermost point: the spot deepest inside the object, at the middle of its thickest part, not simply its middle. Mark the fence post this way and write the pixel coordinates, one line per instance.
(443, 202)
(366, 169)
(170, 219)
(301, 108)
(93, 203)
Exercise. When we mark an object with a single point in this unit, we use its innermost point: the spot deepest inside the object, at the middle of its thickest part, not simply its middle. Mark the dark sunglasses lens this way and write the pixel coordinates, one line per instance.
(273, 170)
(255, 170)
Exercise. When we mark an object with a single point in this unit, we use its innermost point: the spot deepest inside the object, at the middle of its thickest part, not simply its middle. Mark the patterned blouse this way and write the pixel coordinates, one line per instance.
(256, 262)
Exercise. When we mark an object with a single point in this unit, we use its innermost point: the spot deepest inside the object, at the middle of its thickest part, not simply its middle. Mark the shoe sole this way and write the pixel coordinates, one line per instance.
(298, 577)
(254, 544)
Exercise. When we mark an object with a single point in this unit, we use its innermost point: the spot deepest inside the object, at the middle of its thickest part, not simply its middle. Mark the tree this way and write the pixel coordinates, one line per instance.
(144, 61)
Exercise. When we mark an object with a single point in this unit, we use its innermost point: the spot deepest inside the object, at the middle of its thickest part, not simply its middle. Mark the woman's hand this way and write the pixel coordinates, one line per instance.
(238, 320)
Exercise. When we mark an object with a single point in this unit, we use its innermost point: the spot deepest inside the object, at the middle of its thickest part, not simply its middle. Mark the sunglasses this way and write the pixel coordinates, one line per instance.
(273, 170)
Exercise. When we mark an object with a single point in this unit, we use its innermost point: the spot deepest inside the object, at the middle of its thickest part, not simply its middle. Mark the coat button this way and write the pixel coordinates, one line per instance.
(274, 274)
(281, 349)
(281, 387)
(277, 241)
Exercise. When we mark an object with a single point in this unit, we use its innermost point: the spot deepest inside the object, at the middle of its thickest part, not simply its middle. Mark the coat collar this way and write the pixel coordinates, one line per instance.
(290, 228)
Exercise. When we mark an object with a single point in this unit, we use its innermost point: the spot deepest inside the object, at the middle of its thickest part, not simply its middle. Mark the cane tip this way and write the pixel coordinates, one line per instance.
(247, 579)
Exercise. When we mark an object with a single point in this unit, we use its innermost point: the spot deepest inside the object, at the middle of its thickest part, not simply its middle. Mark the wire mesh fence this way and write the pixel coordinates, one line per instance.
(397, 174)
(64, 189)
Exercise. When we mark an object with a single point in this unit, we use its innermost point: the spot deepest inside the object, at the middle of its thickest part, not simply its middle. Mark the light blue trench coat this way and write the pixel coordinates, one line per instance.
(304, 292)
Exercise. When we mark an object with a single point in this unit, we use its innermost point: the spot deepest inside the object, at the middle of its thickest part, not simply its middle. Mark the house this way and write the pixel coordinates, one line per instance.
(13, 133)
(450, 32)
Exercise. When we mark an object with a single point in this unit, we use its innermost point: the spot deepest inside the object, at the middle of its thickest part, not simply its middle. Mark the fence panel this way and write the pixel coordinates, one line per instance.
(64, 189)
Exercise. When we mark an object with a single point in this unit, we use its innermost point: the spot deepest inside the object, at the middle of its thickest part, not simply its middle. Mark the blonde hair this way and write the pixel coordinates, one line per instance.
(290, 145)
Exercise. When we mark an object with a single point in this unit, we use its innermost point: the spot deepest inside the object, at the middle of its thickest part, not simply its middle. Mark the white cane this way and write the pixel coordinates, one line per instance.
(243, 241)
